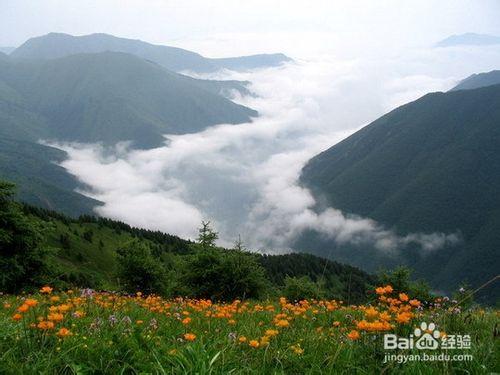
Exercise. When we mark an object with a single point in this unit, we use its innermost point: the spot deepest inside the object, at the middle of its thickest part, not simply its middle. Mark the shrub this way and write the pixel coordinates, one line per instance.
(138, 270)
(297, 289)
(400, 280)
(23, 261)
(224, 275)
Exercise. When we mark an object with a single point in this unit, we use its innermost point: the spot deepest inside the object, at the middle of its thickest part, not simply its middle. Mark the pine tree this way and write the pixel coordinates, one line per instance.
(207, 236)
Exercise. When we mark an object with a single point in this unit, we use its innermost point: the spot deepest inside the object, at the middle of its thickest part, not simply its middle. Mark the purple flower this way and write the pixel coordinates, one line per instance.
(112, 320)
(87, 293)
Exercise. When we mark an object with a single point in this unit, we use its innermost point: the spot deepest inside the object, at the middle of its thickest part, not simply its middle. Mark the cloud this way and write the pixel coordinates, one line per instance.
(244, 178)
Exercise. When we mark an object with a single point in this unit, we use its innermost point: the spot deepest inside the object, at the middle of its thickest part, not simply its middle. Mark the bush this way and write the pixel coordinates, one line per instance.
(400, 280)
(297, 289)
(224, 275)
(23, 261)
(138, 270)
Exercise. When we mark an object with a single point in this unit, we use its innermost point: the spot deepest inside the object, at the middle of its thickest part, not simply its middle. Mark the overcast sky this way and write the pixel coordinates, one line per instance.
(224, 27)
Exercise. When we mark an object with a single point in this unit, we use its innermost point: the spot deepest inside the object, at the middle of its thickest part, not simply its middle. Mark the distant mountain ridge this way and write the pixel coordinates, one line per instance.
(469, 39)
(108, 97)
(7, 50)
(428, 166)
(56, 45)
(105, 97)
(476, 81)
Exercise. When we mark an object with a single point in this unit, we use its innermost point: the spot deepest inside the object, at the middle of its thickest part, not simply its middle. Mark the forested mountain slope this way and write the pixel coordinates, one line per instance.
(428, 166)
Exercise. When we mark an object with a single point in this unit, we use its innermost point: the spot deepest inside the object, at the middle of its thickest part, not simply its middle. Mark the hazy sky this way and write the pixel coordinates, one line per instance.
(224, 27)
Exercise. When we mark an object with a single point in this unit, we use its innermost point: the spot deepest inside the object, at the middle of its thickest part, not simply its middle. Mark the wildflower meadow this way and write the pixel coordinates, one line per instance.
(88, 332)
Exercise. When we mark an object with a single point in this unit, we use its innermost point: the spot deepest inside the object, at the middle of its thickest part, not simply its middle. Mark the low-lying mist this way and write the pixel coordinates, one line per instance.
(244, 178)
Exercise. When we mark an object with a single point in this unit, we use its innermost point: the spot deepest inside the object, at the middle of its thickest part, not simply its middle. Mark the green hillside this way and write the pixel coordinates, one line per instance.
(56, 45)
(109, 97)
(429, 166)
(41, 181)
(85, 252)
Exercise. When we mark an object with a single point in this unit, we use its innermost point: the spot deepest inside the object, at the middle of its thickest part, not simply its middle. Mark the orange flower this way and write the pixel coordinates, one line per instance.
(282, 323)
(17, 316)
(271, 332)
(388, 289)
(189, 336)
(54, 298)
(353, 335)
(336, 323)
(63, 332)
(254, 343)
(380, 290)
(415, 302)
(45, 325)
(186, 320)
(46, 289)
(403, 297)
(385, 316)
(371, 312)
(55, 317)
(64, 307)
(23, 308)
(31, 302)
(139, 322)
(231, 322)
(242, 339)
(403, 318)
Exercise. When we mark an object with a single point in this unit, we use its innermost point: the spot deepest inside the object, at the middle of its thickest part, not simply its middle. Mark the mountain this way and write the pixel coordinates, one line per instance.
(7, 50)
(108, 97)
(56, 45)
(252, 62)
(469, 39)
(429, 166)
(40, 180)
(479, 80)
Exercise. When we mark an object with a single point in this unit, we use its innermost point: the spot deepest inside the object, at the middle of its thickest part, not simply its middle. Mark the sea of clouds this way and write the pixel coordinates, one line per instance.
(244, 178)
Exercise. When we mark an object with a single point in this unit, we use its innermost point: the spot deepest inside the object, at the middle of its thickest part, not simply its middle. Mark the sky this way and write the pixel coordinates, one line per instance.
(228, 27)
(354, 61)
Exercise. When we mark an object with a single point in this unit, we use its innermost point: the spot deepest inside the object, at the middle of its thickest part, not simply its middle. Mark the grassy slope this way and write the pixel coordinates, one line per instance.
(92, 263)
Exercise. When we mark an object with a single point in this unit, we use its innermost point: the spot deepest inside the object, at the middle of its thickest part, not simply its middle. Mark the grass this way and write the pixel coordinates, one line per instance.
(76, 332)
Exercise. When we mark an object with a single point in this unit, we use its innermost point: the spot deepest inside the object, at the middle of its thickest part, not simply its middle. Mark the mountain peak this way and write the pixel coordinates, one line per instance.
(55, 45)
(469, 39)
(475, 81)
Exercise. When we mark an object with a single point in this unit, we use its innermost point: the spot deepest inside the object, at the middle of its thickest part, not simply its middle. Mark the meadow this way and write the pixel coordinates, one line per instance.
(88, 332)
